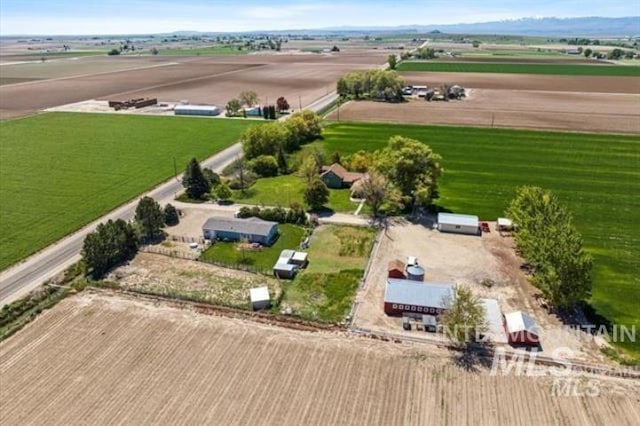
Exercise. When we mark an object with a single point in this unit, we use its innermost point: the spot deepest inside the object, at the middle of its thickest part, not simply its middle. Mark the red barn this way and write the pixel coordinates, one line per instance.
(404, 296)
(396, 269)
(521, 329)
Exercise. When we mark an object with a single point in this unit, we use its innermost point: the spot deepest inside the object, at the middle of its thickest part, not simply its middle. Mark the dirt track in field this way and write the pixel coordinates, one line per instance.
(97, 359)
(554, 83)
(572, 111)
(213, 80)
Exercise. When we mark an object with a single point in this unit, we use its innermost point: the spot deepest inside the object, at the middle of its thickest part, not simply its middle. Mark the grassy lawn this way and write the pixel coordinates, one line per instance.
(264, 259)
(62, 170)
(596, 175)
(286, 189)
(553, 69)
(204, 51)
(337, 258)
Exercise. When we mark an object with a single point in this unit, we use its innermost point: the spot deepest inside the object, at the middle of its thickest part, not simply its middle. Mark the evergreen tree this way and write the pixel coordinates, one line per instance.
(171, 216)
(149, 217)
(194, 182)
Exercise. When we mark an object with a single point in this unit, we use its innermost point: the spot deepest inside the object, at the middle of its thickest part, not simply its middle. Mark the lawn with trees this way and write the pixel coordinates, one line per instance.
(595, 175)
(506, 68)
(62, 170)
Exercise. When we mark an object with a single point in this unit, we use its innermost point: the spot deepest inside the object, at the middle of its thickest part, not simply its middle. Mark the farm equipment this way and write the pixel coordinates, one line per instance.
(484, 226)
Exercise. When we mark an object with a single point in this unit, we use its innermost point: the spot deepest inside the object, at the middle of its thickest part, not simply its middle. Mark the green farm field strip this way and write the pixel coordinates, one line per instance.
(508, 68)
(597, 176)
(204, 51)
(60, 171)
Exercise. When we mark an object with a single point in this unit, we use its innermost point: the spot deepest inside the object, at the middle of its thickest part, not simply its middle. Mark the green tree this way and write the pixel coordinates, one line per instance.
(193, 180)
(249, 98)
(335, 158)
(264, 166)
(171, 216)
(550, 243)
(212, 177)
(392, 60)
(587, 52)
(412, 167)
(149, 217)
(223, 191)
(308, 169)
(465, 319)
(233, 107)
(264, 140)
(112, 242)
(281, 159)
(374, 191)
(316, 194)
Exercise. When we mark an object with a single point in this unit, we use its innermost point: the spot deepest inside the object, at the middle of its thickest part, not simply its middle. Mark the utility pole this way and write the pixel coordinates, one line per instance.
(493, 116)
(338, 110)
(299, 103)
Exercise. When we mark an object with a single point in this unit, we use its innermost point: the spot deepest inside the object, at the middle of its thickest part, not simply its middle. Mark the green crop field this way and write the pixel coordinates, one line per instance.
(597, 176)
(204, 51)
(507, 68)
(62, 170)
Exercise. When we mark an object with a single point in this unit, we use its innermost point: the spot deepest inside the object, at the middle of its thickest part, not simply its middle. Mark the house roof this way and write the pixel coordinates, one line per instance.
(433, 295)
(520, 321)
(259, 294)
(396, 264)
(457, 219)
(493, 316)
(251, 226)
(342, 173)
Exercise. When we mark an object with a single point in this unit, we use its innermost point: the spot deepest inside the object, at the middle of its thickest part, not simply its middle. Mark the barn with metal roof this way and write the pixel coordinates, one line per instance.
(404, 296)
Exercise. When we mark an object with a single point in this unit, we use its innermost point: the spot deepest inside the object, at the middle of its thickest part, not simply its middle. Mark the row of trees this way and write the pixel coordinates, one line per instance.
(295, 214)
(199, 182)
(552, 246)
(117, 241)
(247, 98)
(372, 84)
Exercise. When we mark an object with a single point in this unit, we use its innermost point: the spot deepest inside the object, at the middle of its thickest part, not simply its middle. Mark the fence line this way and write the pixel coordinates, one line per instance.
(180, 254)
(186, 239)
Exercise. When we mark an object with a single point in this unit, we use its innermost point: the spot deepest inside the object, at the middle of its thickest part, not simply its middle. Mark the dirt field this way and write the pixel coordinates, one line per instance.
(96, 359)
(590, 112)
(300, 78)
(462, 260)
(554, 83)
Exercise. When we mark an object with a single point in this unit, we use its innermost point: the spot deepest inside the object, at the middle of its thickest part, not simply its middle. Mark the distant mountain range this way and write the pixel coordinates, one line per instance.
(588, 26)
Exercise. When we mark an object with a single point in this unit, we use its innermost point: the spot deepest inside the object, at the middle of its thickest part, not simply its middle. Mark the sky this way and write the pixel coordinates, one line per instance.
(66, 17)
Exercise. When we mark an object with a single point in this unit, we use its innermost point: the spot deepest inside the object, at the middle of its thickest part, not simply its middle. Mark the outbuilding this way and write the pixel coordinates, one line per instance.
(253, 230)
(260, 298)
(504, 224)
(395, 269)
(415, 273)
(201, 110)
(495, 329)
(285, 270)
(404, 296)
(458, 223)
(521, 329)
(299, 258)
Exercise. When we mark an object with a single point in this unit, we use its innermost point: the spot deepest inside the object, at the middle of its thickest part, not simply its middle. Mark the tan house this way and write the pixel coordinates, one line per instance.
(335, 176)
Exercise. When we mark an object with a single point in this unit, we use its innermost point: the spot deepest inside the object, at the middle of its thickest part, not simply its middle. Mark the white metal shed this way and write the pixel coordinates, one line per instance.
(458, 223)
(260, 298)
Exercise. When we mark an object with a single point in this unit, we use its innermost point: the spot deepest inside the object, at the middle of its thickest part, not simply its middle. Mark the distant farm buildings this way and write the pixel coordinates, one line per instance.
(253, 230)
(458, 223)
(197, 110)
(404, 296)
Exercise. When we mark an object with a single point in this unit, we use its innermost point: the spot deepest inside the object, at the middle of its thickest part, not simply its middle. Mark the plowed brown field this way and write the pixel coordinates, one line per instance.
(573, 111)
(300, 78)
(96, 359)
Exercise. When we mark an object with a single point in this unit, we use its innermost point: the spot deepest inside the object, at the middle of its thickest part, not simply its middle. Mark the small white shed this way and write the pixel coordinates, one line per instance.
(260, 298)
(458, 223)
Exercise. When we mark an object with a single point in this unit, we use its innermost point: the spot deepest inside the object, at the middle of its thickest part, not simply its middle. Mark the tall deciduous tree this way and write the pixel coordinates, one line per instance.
(308, 169)
(392, 60)
(193, 180)
(282, 104)
(223, 191)
(149, 217)
(465, 319)
(233, 107)
(316, 194)
(249, 98)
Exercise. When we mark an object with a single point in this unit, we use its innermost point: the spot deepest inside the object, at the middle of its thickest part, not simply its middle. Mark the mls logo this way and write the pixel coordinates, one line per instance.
(574, 387)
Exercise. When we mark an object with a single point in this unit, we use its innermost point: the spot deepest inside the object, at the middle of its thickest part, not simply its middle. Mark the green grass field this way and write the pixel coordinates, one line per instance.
(287, 189)
(597, 176)
(62, 170)
(203, 51)
(506, 68)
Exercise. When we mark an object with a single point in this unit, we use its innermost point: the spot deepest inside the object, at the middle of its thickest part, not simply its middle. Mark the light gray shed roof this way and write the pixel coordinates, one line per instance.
(284, 267)
(251, 226)
(520, 321)
(259, 294)
(433, 295)
(212, 108)
(458, 219)
(494, 321)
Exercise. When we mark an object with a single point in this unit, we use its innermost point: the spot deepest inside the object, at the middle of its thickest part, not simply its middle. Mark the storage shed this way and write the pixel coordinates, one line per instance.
(201, 110)
(415, 273)
(395, 269)
(260, 298)
(521, 329)
(404, 296)
(285, 270)
(458, 223)
(299, 258)
(495, 329)
(504, 224)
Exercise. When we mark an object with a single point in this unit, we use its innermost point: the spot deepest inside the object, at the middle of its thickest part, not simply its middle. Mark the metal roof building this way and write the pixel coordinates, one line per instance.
(521, 329)
(260, 298)
(253, 229)
(202, 110)
(409, 296)
(495, 332)
(458, 223)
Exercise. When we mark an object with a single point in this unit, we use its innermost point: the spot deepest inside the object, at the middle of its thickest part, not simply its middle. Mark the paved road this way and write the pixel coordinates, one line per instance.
(20, 279)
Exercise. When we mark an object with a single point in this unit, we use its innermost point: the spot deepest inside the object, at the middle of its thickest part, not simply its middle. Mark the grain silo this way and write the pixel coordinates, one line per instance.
(415, 273)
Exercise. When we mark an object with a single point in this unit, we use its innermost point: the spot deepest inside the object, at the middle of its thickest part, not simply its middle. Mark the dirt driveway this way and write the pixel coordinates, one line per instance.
(465, 261)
